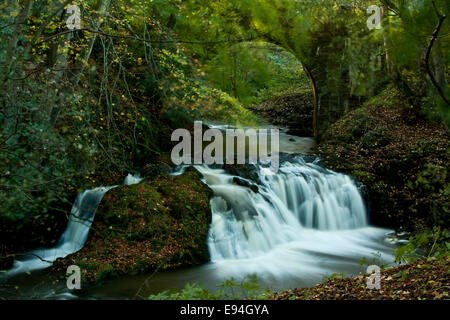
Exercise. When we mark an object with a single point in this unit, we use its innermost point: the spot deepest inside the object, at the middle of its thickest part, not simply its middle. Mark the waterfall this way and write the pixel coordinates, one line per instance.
(131, 179)
(301, 195)
(291, 227)
(76, 233)
(302, 220)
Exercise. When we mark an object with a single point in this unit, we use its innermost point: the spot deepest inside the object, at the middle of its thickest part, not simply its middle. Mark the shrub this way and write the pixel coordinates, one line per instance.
(248, 288)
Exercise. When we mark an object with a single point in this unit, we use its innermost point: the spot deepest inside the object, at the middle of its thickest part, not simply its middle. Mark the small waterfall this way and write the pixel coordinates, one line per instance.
(76, 233)
(318, 198)
(81, 218)
(303, 222)
(301, 195)
(131, 179)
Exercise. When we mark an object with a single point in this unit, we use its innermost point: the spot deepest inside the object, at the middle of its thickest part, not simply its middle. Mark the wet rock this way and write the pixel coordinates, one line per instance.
(245, 183)
(154, 169)
(247, 171)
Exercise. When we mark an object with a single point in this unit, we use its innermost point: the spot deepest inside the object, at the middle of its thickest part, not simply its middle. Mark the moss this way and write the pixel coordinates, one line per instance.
(364, 176)
(375, 138)
(106, 271)
(90, 265)
(353, 126)
(160, 224)
(432, 178)
(402, 163)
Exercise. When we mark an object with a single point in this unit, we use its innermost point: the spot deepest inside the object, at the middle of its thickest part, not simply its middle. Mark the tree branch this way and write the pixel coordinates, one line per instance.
(434, 37)
(138, 38)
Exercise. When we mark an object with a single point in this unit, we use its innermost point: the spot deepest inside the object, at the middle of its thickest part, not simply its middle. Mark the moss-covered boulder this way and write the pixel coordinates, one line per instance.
(156, 225)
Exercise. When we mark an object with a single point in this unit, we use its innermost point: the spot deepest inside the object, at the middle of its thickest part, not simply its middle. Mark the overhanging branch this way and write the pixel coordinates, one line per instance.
(434, 37)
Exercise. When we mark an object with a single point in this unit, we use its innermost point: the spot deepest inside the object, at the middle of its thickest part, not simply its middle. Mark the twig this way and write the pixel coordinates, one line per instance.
(138, 38)
(31, 254)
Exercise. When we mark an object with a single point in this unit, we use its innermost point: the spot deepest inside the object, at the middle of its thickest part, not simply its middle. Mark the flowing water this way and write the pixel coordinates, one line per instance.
(74, 237)
(291, 229)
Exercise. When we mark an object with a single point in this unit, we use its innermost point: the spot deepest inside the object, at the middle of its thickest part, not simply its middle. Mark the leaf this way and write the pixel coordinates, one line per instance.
(363, 261)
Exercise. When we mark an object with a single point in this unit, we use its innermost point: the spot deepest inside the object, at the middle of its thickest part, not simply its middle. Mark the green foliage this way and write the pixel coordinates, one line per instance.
(255, 71)
(432, 178)
(229, 290)
(69, 124)
(334, 276)
(82, 109)
(106, 271)
(357, 124)
(433, 243)
(433, 181)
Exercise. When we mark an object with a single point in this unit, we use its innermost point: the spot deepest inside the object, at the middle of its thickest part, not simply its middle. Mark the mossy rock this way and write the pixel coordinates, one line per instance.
(354, 126)
(376, 138)
(431, 178)
(160, 224)
(247, 171)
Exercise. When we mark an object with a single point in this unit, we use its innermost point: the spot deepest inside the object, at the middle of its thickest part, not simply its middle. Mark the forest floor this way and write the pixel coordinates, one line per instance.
(424, 279)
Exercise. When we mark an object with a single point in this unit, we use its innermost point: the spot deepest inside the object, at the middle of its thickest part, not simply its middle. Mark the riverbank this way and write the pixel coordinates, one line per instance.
(162, 223)
(423, 280)
(401, 157)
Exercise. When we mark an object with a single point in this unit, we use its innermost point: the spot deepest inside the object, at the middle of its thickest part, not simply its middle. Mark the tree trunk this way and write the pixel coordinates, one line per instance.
(385, 21)
(316, 100)
(439, 65)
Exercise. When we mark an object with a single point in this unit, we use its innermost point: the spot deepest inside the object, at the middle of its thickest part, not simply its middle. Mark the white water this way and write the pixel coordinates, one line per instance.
(76, 233)
(131, 179)
(305, 222)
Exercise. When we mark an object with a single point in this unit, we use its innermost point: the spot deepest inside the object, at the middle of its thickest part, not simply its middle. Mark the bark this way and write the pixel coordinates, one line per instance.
(439, 65)
(316, 99)
(385, 20)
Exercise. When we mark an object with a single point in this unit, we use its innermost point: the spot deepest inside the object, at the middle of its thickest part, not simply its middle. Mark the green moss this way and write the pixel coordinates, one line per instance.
(403, 163)
(106, 271)
(388, 97)
(89, 265)
(376, 138)
(353, 126)
(162, 223)
(432, 178)
(364, 176)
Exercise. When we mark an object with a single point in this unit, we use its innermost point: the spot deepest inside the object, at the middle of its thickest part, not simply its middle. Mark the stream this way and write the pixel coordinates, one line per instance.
(303, 223)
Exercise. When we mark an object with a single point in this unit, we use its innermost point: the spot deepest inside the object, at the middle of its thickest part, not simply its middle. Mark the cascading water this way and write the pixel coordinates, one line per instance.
(303, 222)
(291, 228)
(74, 237)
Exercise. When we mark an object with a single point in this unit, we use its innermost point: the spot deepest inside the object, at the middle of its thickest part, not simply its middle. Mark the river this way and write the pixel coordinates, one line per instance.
(291, 229)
